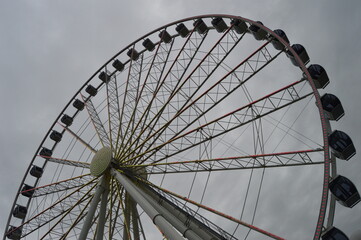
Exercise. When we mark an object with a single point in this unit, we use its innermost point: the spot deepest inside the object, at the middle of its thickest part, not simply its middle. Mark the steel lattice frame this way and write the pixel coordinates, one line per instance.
(172, 111)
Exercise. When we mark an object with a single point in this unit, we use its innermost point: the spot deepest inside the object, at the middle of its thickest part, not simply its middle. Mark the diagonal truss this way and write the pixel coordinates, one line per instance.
(76, 198)
(98, 125)
(282, 159)
(57, 227)
(67, 162)
(131, 95)
(113, 111)
(63, 185)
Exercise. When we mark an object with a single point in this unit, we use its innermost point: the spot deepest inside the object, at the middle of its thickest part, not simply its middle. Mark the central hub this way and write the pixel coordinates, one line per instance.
(101, 161)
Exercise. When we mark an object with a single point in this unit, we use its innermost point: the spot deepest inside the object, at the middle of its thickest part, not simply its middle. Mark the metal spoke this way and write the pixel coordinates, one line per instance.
(67, 162)
(55, 210)
(209, 99)
(85, 197)
(144, 97)
(98, 125)
(130, 95)
(113, 111)
(130, 108)
(80, 217)
(63, 185)
(181, 64)
(125, 96)
(78, 138)
(183, 93)
(282, 159)
(230, 121)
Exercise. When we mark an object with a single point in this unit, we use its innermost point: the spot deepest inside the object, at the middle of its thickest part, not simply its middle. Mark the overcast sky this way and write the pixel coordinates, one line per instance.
(49, 48)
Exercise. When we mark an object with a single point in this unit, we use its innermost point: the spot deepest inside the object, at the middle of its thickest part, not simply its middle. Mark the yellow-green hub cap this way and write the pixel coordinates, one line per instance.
(101, 161)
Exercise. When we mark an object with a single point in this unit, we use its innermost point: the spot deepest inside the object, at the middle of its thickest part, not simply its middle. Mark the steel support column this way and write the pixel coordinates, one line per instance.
(91, 211)
(168, 230)
(175, 218)
(102, 210)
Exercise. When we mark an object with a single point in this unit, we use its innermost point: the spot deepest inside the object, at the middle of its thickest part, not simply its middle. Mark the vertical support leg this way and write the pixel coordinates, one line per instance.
(188, 229)
(135, 218)
(157, 218)
(126, 229)
(91, 211)
(102, 211)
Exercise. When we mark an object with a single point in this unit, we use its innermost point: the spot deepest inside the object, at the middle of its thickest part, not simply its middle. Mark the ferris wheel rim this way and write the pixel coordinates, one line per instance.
(324, 121)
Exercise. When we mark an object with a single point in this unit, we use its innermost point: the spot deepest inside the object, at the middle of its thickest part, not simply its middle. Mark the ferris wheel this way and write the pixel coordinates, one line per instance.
(211, 127)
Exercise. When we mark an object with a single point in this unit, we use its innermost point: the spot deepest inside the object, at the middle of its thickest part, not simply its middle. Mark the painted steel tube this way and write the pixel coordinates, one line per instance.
(157, 218)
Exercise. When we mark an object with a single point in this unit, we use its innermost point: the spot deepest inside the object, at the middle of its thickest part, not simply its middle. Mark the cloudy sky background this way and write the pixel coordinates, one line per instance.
(49, 48)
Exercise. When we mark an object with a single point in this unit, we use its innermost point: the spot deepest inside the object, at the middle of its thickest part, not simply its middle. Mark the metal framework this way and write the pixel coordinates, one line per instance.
(237, 162)
(182, 114)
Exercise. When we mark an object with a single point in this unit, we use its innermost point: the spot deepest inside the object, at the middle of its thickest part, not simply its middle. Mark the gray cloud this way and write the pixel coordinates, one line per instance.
(48, 49)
